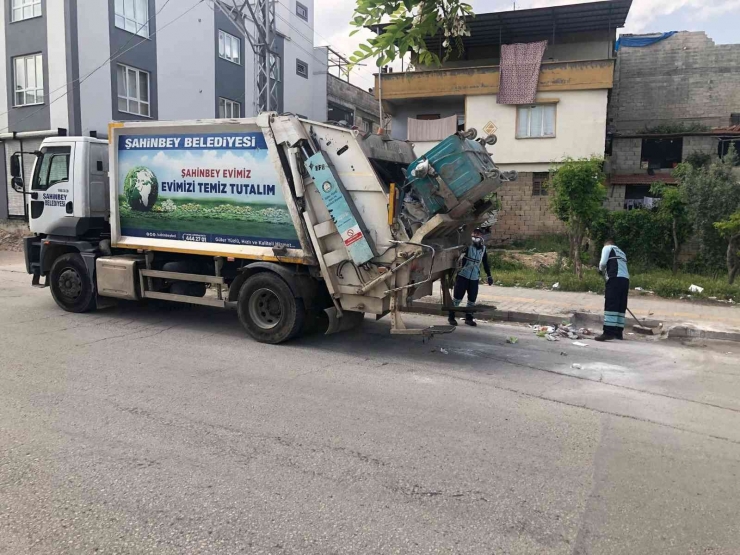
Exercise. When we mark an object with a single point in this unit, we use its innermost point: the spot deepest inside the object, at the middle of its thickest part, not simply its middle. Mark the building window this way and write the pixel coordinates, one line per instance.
(660, 154)
(26, 9)
(133, 16)
(539, 184)
(229, 47)
(133, 91)
(28, 80)
(537, 121)
(229, 108)
(301, 69)
(275, 68)
(301, 11)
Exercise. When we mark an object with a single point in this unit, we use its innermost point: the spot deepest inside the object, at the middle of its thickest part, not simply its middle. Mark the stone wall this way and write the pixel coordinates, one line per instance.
(683, 79)
(524, 215)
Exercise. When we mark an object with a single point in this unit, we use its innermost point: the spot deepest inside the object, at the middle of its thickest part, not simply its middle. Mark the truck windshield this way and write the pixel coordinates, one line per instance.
(52, 167)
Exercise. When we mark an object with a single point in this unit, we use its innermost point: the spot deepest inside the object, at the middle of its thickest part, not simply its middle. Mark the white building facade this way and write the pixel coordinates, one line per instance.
(73, 66)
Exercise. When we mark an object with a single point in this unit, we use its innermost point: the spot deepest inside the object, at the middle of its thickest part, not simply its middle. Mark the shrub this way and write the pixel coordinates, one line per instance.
(645, 236)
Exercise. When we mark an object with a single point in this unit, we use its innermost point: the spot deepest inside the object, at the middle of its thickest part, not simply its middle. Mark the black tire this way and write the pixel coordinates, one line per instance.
(268, 310)
(71, 285)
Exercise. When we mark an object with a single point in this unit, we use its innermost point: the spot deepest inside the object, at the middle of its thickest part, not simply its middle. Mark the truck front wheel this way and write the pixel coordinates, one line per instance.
(268, 310)
(71, 285)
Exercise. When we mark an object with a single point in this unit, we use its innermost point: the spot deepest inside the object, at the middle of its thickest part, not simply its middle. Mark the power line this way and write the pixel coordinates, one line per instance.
(110, 59)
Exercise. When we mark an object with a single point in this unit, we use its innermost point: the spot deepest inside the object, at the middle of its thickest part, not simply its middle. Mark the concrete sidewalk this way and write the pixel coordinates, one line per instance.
(550, 306)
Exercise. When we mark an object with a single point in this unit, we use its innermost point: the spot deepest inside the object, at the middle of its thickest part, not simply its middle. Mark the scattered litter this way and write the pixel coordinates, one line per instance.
(639, 289)
(563, 354)
(712, 298)
(512, 340)
(695, 289)
(576, 366)
(579, 344)
(630, 333)
(557, 332)
(556, 285)
(444, 351)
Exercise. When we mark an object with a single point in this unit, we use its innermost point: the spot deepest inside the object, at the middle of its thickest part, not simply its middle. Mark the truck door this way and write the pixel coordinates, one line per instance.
(52, 207)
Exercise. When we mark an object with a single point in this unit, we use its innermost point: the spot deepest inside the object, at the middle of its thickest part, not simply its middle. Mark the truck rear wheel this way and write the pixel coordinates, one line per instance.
(71, 285)
(268, 310)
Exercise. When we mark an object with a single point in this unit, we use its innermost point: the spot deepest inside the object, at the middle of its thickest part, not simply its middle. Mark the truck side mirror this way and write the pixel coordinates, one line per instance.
(15, 166)
(17, 184)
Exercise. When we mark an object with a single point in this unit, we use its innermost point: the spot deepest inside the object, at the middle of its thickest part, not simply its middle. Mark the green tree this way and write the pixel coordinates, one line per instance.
(712, 194)
(729, 229)
(673, 208)
(577, 199)
(406, 26)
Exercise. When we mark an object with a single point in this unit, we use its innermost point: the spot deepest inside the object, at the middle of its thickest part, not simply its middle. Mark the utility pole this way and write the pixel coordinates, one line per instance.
(261, 14)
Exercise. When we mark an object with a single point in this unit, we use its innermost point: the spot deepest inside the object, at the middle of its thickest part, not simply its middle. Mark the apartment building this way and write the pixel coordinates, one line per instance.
(676, 95)
(567, 119)
(73, 66)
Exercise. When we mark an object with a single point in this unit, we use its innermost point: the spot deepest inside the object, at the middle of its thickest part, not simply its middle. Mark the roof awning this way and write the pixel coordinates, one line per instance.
(491, 29)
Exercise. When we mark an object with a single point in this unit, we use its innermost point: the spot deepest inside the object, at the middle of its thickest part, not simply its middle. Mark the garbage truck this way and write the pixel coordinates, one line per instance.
(290, 222)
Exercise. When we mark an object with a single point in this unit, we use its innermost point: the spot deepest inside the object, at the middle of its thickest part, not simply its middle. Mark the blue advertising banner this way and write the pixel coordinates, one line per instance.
(211, 188)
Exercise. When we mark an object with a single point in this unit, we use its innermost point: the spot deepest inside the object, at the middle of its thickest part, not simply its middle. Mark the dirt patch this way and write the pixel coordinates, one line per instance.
(11, 237)
(536, 261)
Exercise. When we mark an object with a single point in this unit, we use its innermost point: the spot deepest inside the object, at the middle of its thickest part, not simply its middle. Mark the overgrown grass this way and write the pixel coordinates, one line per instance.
(510, 273)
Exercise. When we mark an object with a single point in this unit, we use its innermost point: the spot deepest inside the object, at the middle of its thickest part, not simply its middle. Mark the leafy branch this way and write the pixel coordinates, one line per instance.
(404, 25)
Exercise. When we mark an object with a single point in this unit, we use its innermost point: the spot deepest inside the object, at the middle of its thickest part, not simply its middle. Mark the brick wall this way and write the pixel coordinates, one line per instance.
(615, 197)
(626, 154)
(705, 145)
(524, 215)
(685, 78)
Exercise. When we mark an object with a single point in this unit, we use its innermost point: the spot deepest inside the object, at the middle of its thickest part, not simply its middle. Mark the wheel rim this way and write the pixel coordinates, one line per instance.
(265, 309)
(70, 284)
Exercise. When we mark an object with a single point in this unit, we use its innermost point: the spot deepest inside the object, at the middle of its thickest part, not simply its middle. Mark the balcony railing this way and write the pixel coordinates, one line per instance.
(554, 76)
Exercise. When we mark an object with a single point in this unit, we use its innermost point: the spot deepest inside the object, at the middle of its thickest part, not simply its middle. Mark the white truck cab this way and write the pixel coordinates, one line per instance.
(69, 192)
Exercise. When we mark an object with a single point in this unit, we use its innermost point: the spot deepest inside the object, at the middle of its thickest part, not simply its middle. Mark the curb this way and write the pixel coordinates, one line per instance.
(582, 318)
(685, 331)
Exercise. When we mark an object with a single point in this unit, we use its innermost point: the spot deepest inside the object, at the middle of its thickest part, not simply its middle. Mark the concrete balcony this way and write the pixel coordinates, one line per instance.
(554, 76)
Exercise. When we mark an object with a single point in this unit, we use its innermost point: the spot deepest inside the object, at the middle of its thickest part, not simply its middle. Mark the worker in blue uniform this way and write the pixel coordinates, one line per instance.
(468, 277)
(613, 265)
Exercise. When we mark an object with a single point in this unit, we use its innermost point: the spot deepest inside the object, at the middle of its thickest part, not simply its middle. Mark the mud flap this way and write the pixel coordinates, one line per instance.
(348, 321)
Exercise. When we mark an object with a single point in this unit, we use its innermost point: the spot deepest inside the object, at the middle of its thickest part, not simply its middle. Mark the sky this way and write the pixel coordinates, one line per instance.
(718, 18)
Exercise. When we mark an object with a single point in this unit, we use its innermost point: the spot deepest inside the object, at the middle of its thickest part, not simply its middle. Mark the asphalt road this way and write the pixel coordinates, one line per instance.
(137, 430)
